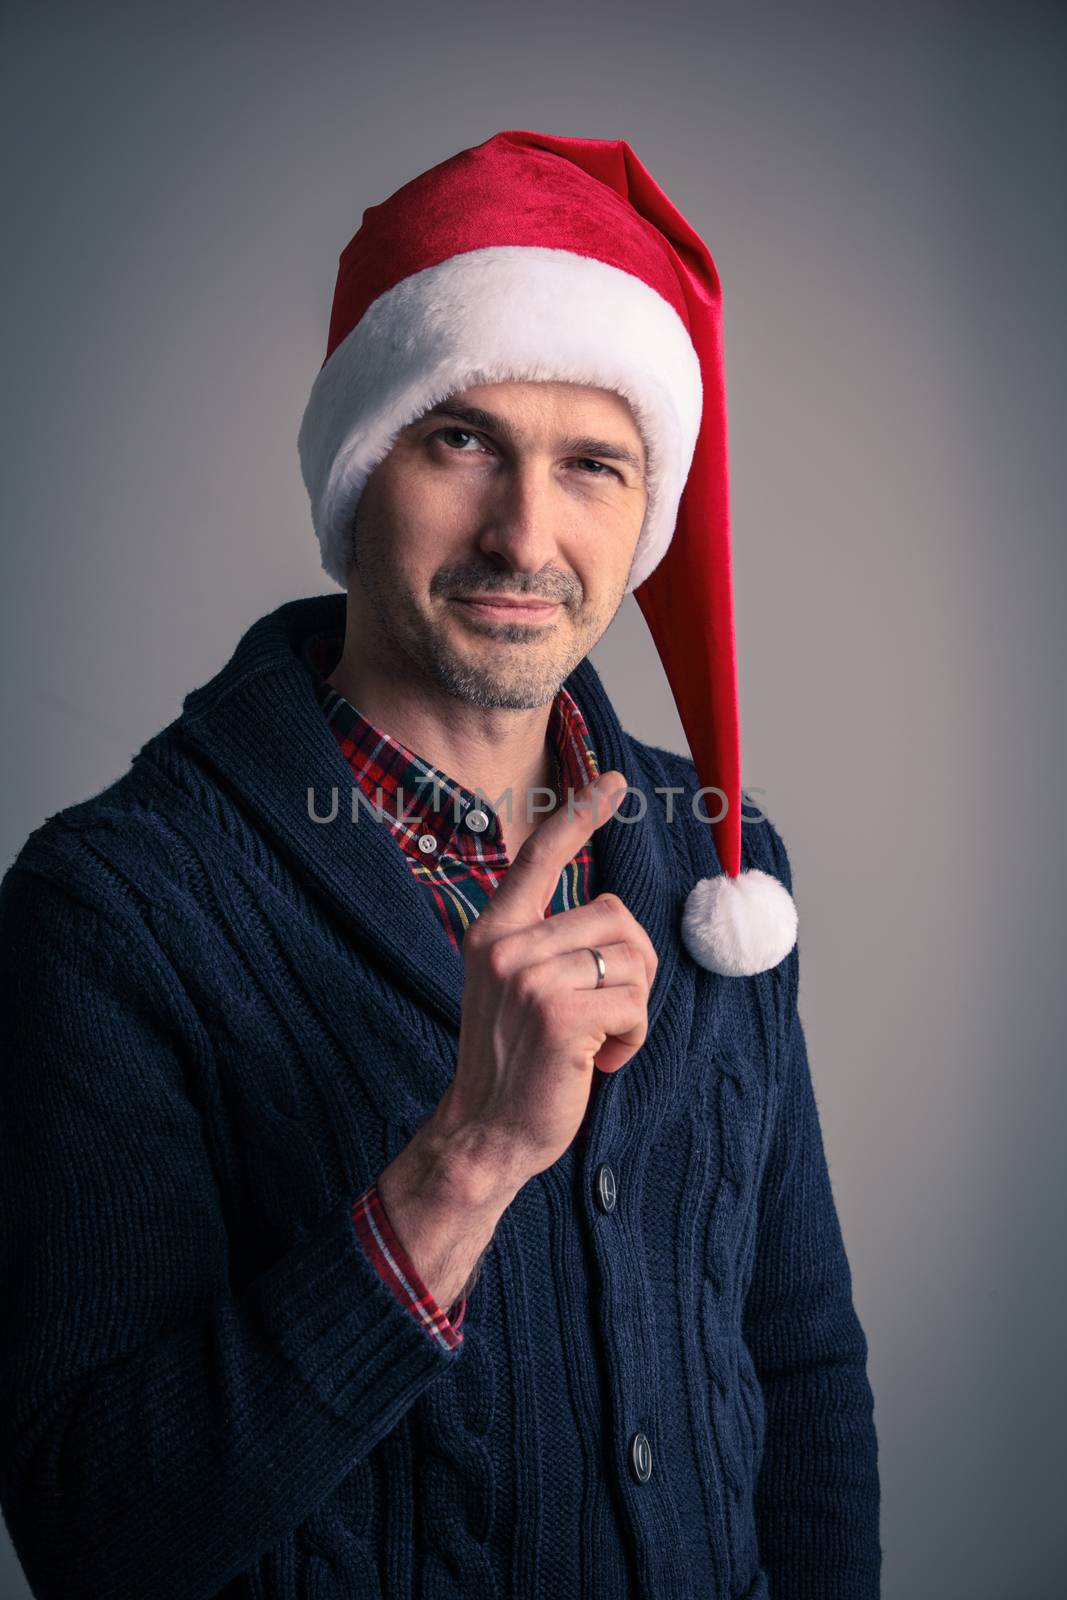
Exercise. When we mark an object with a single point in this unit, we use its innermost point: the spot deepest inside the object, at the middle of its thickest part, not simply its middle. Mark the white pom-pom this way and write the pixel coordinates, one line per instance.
(739, 926)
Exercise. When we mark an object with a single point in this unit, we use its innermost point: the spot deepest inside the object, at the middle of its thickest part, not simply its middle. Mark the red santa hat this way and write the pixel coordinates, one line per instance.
(535, 257)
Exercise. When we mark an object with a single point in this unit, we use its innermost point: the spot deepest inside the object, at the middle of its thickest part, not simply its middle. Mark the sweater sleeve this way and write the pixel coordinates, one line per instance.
(160, 1427)
(817, 1494)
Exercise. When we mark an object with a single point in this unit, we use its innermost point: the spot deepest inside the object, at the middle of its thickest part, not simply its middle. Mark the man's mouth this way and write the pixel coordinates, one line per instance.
(499, 608)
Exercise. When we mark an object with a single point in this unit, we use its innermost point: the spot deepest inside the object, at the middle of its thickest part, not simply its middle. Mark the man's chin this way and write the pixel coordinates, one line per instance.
(502, 686)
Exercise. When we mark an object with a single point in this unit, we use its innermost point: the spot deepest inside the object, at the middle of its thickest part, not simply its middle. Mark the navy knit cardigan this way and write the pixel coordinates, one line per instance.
(214, 1037)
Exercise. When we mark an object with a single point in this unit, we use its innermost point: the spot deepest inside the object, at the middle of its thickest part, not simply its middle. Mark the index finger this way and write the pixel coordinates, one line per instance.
(531, 880)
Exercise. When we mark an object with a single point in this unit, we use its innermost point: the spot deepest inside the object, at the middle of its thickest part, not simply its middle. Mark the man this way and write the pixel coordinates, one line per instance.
(412, 1180)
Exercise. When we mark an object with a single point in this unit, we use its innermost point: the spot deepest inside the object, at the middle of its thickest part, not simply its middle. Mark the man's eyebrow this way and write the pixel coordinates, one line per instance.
(475, 417)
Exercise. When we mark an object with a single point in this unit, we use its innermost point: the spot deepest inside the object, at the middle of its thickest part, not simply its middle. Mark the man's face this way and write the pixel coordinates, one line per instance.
(526, 493)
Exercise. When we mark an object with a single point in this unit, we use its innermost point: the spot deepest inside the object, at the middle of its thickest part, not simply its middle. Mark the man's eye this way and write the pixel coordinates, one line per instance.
(462, 432)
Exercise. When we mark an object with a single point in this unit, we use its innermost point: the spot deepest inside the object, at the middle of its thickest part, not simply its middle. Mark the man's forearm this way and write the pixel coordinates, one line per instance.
(444, 1195)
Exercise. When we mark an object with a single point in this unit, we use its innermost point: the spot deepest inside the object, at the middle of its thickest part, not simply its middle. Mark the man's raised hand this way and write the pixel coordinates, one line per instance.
(533, 1022)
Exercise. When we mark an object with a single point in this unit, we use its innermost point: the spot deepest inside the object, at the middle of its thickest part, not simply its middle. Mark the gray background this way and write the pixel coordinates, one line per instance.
(882, 194)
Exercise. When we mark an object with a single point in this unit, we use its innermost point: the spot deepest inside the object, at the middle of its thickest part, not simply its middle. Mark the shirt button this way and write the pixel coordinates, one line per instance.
(641, 1458)
(477, 821)
(604, 1188)
(427, 842)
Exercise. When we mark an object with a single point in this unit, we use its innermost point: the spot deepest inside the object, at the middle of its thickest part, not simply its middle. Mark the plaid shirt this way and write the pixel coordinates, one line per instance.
(460, 867)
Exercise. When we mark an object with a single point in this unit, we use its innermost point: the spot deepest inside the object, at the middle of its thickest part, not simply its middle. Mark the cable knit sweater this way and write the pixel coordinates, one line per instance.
(214, 1037)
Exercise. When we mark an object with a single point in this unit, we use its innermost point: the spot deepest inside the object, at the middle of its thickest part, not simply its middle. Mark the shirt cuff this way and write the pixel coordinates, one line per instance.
(395, 1267)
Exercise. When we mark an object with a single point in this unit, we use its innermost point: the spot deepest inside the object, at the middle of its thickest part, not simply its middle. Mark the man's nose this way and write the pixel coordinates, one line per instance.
(521, 518)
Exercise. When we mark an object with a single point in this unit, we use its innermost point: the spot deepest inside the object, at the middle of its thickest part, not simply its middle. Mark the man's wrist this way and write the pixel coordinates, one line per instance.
(471, 1164)
(443, 1197)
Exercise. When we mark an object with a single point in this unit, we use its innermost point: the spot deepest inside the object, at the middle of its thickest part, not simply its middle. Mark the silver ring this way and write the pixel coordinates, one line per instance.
(601, 969)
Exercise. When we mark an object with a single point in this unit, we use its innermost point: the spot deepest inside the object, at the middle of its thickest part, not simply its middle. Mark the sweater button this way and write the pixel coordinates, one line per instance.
(641, 1458)
(604, 1188)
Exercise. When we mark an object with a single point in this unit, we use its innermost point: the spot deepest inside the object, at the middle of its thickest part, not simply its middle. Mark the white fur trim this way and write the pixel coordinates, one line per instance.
(739, 926)
(524, 313)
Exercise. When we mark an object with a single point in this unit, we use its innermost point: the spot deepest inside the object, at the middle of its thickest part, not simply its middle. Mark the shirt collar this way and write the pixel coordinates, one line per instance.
(419, 801)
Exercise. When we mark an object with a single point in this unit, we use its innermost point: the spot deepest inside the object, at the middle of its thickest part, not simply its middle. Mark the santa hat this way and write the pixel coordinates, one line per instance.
(535, 257)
